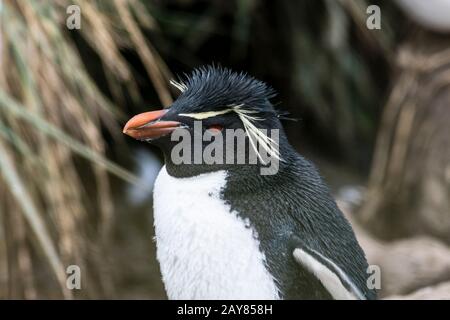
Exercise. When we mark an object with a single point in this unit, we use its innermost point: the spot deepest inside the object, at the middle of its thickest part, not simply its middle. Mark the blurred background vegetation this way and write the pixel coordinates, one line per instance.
(64, 95)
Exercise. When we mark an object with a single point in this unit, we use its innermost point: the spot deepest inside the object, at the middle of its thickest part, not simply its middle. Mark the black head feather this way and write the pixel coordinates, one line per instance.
(215, 88)
(293, 203)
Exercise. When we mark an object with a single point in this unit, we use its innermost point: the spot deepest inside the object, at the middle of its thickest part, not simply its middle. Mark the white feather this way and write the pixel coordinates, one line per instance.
(205, 115)
(254, 133)
(204, 249)
(327, 277)
(179, 85)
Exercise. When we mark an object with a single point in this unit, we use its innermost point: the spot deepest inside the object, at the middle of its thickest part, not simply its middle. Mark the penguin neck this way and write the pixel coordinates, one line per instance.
(243, 172)
(247, 179)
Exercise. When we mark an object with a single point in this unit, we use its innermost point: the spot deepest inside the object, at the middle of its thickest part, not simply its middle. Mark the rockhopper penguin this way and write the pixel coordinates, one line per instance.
(225, 231)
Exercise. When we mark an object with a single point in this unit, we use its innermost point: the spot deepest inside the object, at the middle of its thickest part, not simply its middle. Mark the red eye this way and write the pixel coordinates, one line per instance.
(214, 129)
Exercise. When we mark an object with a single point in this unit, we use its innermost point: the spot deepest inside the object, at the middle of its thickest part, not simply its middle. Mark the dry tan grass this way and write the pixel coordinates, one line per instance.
(51, 111)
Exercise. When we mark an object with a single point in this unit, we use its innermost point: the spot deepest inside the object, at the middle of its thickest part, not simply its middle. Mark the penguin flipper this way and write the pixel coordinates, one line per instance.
(333, 278)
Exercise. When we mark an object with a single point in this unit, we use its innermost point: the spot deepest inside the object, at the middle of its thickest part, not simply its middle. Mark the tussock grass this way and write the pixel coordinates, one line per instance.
(51, 112)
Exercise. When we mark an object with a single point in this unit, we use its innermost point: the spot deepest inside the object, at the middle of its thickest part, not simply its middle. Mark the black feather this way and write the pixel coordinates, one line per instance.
(295, 202)
(214, 87)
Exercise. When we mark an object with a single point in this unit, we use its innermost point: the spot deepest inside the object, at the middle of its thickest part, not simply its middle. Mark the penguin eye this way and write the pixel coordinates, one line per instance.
(215, 128)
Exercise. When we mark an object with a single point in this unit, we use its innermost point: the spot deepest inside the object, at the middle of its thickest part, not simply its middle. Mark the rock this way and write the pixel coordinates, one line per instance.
(406, 265)
(438, 292)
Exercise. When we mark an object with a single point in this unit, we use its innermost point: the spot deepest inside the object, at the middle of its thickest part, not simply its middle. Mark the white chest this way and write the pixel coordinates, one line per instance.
(206, 251)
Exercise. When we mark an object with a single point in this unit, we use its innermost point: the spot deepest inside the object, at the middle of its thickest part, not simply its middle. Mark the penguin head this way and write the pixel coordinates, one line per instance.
(213, 101)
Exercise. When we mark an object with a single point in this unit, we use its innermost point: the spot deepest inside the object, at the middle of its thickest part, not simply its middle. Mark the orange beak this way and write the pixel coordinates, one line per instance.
(148, 125)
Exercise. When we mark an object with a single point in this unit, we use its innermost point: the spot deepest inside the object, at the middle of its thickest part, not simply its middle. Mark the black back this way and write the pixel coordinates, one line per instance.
(295, 203)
